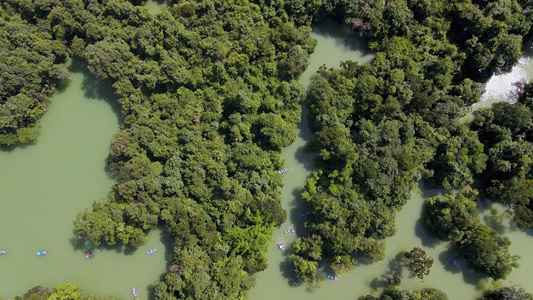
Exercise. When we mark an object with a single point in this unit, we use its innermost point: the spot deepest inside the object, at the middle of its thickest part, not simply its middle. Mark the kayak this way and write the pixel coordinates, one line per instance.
(89, 254)
(289, 231)
(151, 251)
(280, 245)
(294, 281)
(282, 171)
(41, 253)
(451, 260)
(2, 252)
(332, 277)
(134, 292)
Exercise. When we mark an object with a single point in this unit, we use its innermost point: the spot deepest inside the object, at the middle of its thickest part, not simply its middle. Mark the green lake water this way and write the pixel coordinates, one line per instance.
(43, 186)
(154, 6)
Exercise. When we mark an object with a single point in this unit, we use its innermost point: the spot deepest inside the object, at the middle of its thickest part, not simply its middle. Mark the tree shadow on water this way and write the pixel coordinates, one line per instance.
(343, 35)
(469, 275)
(287, 271)
(168, 241)
(298, 208)
(80, 244)
(62, 86)
(94, 88)
(429, 189)
(303, 154)
(425, 236)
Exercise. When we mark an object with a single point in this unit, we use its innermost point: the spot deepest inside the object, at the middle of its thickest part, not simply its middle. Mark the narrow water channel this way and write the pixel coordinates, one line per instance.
(43, 186)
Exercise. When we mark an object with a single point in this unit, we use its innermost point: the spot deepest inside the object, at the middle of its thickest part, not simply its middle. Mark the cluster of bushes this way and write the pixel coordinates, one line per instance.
(456, 219)
(64, 291)
(507, 133)
(395, 293)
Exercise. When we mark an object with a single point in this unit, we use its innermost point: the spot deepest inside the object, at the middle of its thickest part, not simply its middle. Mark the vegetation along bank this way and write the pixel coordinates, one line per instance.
(209, 95)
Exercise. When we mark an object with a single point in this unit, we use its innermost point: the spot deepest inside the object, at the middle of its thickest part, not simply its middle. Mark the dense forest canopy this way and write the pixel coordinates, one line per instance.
(209, 94)
(382, 126)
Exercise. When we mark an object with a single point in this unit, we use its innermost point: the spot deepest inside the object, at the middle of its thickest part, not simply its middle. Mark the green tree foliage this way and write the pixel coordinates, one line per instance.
(342, 264)
(209, 96)
(382, 126)
(67, 291)
(449, 217)
(459, 156)
(396, 293)
(418, 262)
(507, 293)
(64, 291)
(456, 219)
(505, 130)
(31, 64)
(307, 270)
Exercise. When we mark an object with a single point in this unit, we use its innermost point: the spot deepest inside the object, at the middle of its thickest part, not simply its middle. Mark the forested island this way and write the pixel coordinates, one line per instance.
(209, 95)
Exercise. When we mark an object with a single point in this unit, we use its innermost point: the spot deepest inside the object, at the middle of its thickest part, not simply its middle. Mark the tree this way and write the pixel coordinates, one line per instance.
(449, 217)
(418, 262)
(507, 293)
(305, 269)
(66, 291)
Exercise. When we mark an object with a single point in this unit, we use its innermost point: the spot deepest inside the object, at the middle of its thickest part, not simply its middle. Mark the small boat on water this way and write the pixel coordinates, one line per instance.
(452, 261)
(41, 252)
(89, 254)
(134, 292)
(516, 83)
(289, 231)
(151, 251)
(294, 281)
(305, 214)
(2, 252)
(280, 245)
(332, 277)
(282, 171)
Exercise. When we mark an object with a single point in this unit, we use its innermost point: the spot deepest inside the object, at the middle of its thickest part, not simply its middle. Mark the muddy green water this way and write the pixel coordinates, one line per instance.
(458, 282)
(43, 186)
(154, 6)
